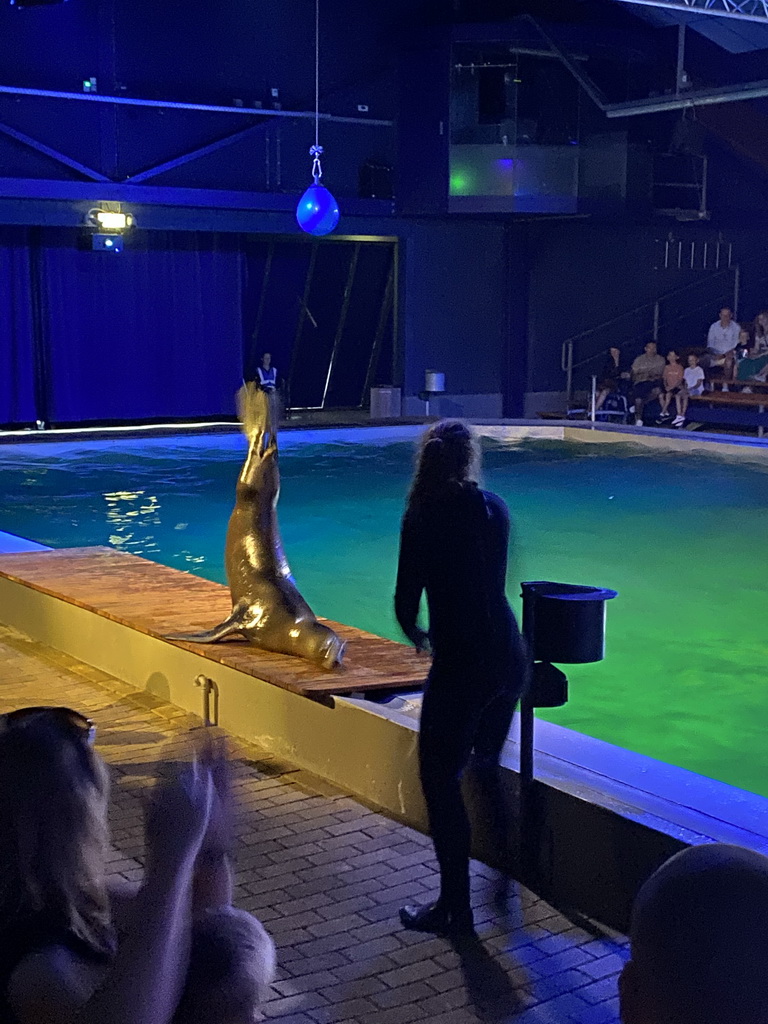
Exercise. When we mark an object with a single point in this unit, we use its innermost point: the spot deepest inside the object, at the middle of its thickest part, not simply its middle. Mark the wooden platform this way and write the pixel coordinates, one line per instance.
(155, 600)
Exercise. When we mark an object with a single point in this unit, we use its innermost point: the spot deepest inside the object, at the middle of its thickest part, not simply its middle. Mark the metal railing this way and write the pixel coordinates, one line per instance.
(649, 320)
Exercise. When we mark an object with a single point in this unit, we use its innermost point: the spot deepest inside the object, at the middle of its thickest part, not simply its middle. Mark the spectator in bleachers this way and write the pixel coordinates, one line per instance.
(693, 384)
(760, 341)
(755, 361)
(699, 941)
(722, 340)
(672, 384)
(647, 373)
(77, 948)
(614, 376)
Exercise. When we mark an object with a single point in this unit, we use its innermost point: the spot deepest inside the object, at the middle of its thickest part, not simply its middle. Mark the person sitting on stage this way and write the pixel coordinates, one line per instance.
(754, 363)
(672, 381)
(647, 371)
(614, 376)
(693, 384)
(722, 339)
(267, 374)
(76, 948)
(699, 941)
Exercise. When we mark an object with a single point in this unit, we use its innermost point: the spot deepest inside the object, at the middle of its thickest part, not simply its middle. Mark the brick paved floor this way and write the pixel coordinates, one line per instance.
(327, 875)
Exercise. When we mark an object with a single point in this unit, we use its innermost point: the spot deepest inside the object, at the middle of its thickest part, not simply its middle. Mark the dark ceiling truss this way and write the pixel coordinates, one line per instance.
(265, 120)
(62, 158)
(746, 10)
(679, 100)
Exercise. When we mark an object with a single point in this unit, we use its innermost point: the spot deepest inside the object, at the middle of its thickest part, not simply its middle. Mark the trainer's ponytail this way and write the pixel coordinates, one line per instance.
(448, 455)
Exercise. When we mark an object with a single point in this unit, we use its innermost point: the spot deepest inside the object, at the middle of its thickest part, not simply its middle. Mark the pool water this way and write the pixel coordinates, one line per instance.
(678, 535)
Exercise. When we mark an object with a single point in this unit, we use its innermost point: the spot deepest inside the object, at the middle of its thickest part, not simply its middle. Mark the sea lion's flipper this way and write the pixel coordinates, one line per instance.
(229, 627)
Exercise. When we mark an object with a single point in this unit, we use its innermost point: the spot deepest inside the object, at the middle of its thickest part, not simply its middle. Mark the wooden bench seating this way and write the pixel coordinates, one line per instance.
(730, 407)
(757, 386)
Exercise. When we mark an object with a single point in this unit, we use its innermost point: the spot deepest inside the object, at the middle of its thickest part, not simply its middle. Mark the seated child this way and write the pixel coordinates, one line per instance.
(693, 384)
(672, 383)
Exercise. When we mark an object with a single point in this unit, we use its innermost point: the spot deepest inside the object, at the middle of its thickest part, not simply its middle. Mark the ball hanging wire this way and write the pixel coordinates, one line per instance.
(317, 212)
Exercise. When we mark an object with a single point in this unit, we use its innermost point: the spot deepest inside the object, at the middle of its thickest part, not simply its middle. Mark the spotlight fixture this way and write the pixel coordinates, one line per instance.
(109, 220)
(35, 3)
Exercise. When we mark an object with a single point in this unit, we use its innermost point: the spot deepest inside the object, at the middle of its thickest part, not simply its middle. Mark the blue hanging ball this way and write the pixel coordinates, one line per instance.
(317, 212)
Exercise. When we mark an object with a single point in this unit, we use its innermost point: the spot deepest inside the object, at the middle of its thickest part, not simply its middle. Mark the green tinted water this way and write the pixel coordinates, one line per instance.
(679, 536)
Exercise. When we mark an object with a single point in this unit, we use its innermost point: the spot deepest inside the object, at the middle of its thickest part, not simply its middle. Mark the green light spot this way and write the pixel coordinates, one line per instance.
(460, 184)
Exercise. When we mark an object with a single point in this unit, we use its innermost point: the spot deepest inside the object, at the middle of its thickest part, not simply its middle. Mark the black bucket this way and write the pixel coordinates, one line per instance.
(565, 623)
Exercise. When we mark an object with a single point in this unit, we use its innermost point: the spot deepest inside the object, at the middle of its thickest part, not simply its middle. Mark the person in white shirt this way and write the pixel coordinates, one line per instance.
(722, 339)
(693, 384)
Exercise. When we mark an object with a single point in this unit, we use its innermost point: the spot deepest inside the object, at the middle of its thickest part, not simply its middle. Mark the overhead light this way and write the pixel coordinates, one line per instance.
(109, 220)
(35, 3)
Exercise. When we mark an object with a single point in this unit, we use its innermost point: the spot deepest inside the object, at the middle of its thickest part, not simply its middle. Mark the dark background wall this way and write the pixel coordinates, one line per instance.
(458, 282)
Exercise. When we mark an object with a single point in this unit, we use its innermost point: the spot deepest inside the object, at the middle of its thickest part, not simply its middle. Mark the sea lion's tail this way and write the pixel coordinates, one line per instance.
(229, 627)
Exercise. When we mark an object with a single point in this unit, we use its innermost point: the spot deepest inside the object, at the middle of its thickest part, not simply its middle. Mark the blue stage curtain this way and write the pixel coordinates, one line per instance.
(17, 401)
(152, 333)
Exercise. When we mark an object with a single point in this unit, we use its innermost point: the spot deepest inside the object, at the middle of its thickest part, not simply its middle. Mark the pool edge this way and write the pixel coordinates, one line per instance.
(597, 838)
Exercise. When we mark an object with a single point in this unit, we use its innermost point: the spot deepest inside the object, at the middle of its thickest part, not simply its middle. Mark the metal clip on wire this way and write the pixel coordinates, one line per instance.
(317, 171)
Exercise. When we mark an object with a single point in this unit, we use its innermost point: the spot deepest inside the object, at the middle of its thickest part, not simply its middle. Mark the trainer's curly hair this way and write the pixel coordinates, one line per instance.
(448, 455)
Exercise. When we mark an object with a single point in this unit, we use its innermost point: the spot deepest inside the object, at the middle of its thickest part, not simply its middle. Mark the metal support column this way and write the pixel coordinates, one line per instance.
(682, 78)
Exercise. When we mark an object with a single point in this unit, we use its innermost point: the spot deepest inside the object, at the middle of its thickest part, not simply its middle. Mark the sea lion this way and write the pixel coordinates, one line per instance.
(267, 608)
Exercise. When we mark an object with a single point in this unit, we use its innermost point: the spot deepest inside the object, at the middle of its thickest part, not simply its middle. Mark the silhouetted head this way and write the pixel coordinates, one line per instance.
(266, 360)
(700, 941)
(725, 315)
(650, 348)
(448, 455)
(54, 838)
(744, 339)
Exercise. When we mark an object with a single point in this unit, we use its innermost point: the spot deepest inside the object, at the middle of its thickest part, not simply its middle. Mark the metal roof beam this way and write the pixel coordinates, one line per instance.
(741, 10)
(212, 108)
(653, 104)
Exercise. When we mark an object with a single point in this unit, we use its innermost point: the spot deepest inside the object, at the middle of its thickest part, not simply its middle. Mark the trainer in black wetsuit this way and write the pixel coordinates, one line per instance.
(454, 545)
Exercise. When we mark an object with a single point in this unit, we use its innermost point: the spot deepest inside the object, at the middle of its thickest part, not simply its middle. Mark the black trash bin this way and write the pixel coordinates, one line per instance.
(565, 623)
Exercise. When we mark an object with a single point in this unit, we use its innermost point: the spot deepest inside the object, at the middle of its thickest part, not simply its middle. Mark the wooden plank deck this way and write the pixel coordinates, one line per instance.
(155, 600)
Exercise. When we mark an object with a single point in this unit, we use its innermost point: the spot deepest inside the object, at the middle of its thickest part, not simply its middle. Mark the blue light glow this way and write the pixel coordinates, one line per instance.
(317, 212)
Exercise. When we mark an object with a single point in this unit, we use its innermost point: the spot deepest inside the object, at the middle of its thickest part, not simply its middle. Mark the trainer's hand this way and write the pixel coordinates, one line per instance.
(421, 642)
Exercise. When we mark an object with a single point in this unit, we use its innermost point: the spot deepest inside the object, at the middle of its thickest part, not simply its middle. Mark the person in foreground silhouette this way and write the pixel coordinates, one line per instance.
(77, 949)
(453, 545)
(699, 941)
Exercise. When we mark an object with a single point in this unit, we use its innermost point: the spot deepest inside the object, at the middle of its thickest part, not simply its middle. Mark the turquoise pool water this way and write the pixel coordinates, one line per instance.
(678, 535)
